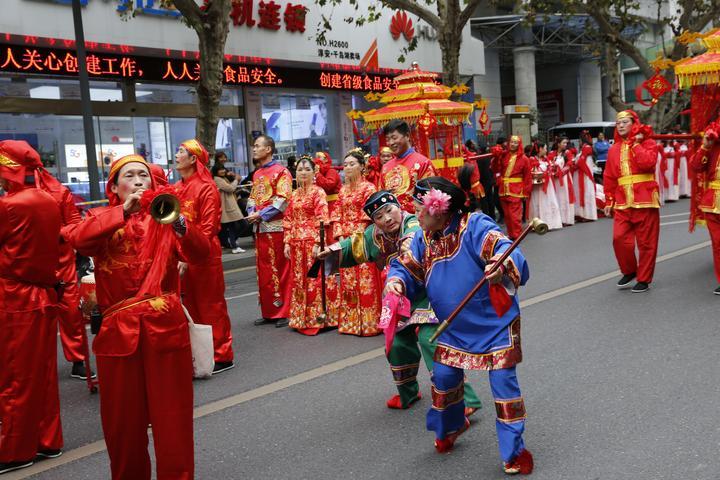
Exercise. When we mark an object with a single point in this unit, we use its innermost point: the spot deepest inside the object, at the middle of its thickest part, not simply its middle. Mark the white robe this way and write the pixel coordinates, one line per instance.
(659, 179)
(567, 209)
(684, 186)
(672, 192)
(589, 211)
(544, 205)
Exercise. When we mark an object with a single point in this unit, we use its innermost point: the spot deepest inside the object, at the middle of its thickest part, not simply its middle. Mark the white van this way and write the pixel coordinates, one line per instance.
(572, 131)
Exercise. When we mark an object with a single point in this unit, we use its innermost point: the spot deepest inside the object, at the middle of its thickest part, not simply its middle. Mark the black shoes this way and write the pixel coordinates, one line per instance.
(279, 322)
(222, 366)
(640, 287)
(625, 281)
(78, 371)
(717, 291)
(49, 453)
(12, 466)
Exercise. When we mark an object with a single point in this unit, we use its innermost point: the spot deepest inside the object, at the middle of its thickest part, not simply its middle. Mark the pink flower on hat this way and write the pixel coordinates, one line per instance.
(436, 202)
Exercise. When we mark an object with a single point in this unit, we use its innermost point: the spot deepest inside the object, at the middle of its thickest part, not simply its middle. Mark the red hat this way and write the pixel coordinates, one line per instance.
(196, 148)
(17, 160)
(113, 199)
(158, 174)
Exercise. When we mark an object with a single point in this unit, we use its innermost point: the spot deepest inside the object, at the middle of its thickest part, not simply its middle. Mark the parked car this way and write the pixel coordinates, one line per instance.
(572, 131)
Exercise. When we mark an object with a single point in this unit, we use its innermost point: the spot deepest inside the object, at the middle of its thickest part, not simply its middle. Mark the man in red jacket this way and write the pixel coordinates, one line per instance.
(71, 322)
(707, 161)
(632, 197)
(203, 283)
(514, 181)
(143, 350)
(29, 259)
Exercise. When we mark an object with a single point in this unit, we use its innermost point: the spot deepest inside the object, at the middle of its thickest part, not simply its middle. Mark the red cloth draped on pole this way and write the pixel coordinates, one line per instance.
(29, 259)
(143, 351)
(514, 180)
(203, 285)
(632, 192)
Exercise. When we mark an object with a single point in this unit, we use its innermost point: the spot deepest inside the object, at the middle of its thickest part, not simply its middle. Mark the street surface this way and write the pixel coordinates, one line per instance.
(616, 385)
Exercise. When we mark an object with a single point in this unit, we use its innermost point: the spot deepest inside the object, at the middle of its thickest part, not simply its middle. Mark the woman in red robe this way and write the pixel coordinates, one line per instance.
(360, 287)
(301, 227)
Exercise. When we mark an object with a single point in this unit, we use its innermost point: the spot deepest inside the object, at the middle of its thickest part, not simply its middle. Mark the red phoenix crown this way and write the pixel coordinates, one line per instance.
(401, 24)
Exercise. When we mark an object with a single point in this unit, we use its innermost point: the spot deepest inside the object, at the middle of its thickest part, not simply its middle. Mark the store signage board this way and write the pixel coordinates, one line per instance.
(282, 30)
(61, 62)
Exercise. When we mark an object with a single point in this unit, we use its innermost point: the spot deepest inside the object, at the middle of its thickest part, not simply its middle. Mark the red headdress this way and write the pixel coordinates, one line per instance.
(113, 199)
(196, 148)
(637, 127)
(17, 160)
(158, 174)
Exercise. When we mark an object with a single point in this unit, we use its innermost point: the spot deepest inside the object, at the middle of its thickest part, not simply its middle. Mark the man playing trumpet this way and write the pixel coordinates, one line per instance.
(143, 351)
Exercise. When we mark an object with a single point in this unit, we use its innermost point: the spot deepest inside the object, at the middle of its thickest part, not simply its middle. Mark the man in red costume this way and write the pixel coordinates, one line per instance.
(706, 161)
(514, 180)
(203, 283)
(29, 259)
(631, 194)
(272, 186)
(407, 167)
(143, 350)
(71, 322)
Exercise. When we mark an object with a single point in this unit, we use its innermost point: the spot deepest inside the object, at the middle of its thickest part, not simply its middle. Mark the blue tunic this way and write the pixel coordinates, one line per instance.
(447, 266)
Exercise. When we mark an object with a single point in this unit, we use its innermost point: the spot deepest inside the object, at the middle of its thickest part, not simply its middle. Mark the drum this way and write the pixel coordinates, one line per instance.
(88, 299)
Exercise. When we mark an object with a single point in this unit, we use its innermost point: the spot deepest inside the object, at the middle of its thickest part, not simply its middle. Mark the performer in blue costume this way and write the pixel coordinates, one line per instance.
(445, 261)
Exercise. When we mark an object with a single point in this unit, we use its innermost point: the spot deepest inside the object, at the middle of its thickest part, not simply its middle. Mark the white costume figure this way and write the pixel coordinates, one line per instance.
(543, 201)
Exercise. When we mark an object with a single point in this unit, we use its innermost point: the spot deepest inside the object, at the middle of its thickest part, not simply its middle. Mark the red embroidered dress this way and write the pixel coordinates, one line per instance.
(360, 286)
(301, 227)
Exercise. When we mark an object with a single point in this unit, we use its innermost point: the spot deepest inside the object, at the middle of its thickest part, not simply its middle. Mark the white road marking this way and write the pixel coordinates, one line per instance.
(240, 398)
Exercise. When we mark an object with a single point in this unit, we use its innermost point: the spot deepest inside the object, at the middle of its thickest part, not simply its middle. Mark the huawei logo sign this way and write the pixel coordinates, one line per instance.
(401, 24)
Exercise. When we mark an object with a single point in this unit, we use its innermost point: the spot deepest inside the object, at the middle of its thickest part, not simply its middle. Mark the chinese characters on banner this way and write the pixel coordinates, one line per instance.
(269, 15)
(48, 61)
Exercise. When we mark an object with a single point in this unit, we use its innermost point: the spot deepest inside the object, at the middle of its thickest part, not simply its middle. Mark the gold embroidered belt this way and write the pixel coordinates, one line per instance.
(332, 197)
(512, 180)
(131, 302)
(715, 185)
(633, 179)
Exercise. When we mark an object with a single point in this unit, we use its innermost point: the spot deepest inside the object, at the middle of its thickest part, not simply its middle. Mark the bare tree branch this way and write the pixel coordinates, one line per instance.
(190, 10)
(468, 12)
(414, 7)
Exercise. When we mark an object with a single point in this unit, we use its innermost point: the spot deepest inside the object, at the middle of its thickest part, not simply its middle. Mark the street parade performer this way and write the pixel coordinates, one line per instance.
(272, 186)
(30, 223)
(70, 320)
(360, 290)
(203, 282)
(707, 162)
(390, 234)
(307, 207)
(143, 351)
(561, 161)
(632, 196)
(452, 254)
(514, 181)
(407, 167)
(584, 181)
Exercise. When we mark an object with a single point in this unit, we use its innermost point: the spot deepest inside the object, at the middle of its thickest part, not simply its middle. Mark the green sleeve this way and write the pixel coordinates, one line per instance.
(358, 248)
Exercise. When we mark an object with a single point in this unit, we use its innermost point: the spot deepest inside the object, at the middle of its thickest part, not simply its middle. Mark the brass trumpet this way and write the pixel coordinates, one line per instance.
(165, 208)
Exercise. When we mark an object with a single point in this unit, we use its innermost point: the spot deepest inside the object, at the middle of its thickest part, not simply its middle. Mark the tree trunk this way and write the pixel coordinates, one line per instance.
(450, 48)
(210, 86)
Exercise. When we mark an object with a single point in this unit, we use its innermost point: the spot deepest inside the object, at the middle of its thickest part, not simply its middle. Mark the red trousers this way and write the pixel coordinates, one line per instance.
(29, 399)
(273, 272)
(203, 288)
(639, 226)
(148, 387)
(713, 226)
(71, 321)
(512, 212)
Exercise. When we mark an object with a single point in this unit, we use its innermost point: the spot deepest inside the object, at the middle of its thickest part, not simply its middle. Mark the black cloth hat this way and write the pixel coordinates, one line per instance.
(378, 200)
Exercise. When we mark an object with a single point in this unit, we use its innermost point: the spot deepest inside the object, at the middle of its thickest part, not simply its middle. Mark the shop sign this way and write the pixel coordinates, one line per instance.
(52, 61)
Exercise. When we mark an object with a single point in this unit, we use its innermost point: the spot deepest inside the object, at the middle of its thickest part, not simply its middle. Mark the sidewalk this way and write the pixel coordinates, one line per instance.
(232, 261)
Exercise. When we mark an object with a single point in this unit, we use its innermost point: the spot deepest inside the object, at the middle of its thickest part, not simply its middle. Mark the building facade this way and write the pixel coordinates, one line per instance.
(281, 78)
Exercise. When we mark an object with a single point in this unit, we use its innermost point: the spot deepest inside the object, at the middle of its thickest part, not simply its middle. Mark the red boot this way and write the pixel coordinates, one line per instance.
(395, 403)
(446, 444)
(522, 464)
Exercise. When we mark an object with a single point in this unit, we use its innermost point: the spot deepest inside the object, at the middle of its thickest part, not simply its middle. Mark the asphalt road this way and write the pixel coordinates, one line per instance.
(617, 385)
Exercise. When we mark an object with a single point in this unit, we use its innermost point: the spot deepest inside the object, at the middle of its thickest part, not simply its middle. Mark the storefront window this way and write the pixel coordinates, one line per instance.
(302, 123)
(60, 141)
(162, 93)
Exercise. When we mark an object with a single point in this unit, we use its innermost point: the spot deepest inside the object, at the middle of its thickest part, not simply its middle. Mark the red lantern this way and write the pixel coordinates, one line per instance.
(427, 122)
(657, 86)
